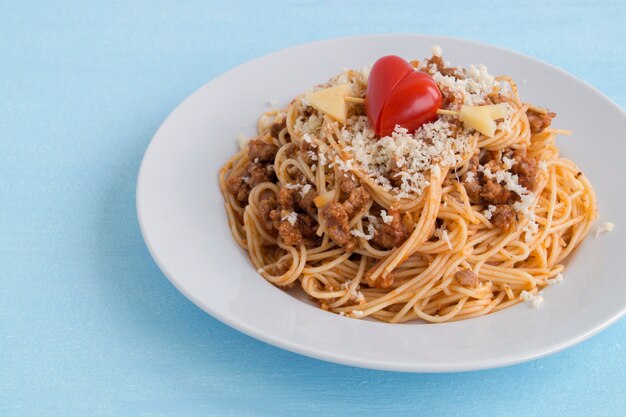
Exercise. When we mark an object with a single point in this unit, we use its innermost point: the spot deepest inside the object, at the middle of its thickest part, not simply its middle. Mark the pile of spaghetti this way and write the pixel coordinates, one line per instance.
(440, 224)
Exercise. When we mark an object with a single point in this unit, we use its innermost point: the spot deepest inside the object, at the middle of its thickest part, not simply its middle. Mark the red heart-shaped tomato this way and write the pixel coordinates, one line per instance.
(399, 95)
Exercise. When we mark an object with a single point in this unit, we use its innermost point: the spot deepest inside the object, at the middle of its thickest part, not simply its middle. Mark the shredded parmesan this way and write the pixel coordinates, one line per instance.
(371, 231)
(305, 190)
(432, 145)
(387, 219)
(436, 50)
(556, 280)
(242, 140)
(294, 186)
(322, 159)
(534, 299)
(508, 162)
(530, 230)
(604, 228)
(291, 217)
(489, 212)
(311, 124)
(442, 233)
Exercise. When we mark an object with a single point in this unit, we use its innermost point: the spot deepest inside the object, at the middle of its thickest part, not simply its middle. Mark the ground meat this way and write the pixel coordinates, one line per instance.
(306, 202)
(287, 201)
(473, 188)
(287, 198)
(491, 160)
(241, 183)
(258, 173)
(277, 126)
(261, 151)
(237, 185)
(466, 277)
(526, 170)
(308, 152)
(337, 225)
(393, 234)
(307, 227)
(289, 233)
(441, 67)
(266, 206)
(347, 181)
(357, 199)
(451, 100)
(504, 217)
(539, 121)
(494, 193)
(394, 170)
(301, 232)
(497, 98)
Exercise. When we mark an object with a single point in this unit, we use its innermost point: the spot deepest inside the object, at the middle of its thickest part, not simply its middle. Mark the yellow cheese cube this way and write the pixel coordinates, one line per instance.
(482, 118)
(331, 101)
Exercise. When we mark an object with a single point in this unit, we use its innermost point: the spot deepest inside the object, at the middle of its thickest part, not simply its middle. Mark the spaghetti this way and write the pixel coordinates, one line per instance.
(441, 224)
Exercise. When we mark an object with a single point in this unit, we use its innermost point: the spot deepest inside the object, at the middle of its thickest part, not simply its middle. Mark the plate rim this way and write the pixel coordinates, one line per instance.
(334, 357)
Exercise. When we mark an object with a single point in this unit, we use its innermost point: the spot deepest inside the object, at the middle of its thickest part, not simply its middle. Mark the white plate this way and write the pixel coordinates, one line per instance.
(184, 224)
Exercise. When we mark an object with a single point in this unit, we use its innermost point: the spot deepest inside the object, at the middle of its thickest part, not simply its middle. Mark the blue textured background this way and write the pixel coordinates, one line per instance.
(88, 324)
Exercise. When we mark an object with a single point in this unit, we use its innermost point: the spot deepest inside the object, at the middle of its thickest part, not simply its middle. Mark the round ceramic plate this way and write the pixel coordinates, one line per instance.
(185, 226)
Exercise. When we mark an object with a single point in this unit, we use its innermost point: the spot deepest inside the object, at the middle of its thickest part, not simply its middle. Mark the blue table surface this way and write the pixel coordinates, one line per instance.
(89, 326)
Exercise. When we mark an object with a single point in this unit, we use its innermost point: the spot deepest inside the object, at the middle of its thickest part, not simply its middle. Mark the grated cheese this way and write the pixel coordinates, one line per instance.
(474, 88)
(242, 140)
(343, 165)
(309, 125)
(436, 50)
(294, 186)
(604, 228)
(266, 121)
(305, 190)
(556, 280)
(358, 313)
(470, 177)
(442, 234)
(371, 231)
(387, 219)
(534, 299)
(431, 146)
(291, 217)
(489, 212)
(508, 162)
(322, 159)
(530, 230)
